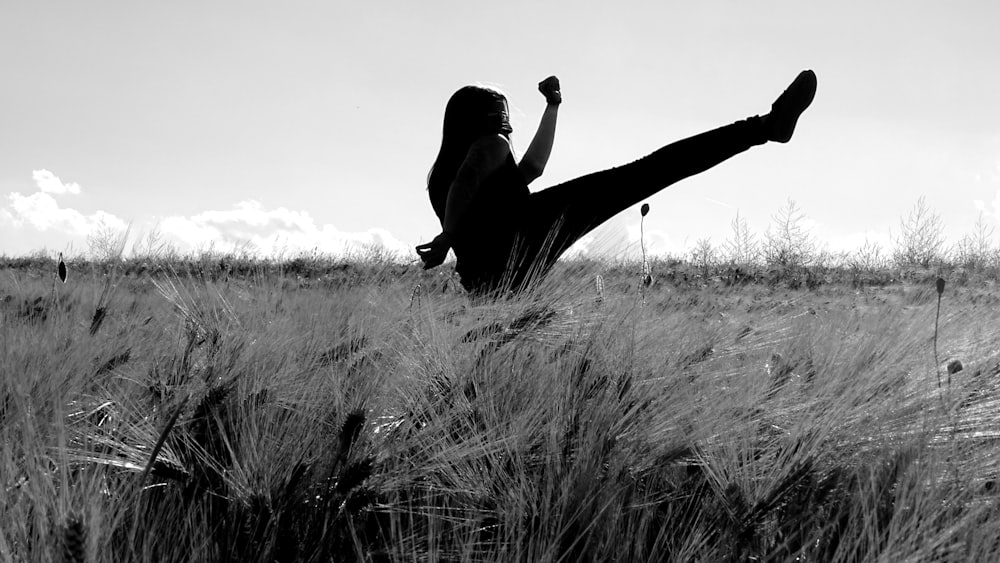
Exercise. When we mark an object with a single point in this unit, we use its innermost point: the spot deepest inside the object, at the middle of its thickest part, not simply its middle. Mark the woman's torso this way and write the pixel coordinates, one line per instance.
(488, 231)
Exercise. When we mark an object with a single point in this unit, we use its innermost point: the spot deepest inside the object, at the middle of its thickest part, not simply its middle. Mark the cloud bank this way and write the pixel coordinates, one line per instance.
(50, 183)
(273, 232)
(247, 226)
(42, 212)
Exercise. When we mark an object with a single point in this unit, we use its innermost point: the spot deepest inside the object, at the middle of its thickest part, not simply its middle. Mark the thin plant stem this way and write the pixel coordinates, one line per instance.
(937, 362)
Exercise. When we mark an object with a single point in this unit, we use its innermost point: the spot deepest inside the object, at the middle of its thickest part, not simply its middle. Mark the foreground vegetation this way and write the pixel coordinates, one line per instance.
(243, 411)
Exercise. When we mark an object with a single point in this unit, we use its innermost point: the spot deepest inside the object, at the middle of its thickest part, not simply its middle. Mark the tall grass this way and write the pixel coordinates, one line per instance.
(263, 417)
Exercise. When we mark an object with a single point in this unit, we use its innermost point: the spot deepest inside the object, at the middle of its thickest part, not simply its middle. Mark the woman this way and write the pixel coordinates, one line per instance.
(503, 235)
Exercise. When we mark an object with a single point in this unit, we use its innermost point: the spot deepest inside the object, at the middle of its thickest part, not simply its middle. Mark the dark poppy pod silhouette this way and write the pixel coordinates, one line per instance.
(940, 286)
(62, 269)
(644, 209)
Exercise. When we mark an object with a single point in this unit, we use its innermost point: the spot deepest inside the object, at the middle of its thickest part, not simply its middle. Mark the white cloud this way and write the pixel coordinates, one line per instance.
(273, 232)
(41, 211)
(657, 242)
(248, 225)
(6, 218)
(995, 204)
(619, 237)
(582, 247)
(50, 183)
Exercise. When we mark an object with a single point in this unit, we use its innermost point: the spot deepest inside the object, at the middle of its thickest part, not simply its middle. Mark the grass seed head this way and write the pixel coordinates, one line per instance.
(353, 475)
(74, 540)
(350, 432)
(95, 323)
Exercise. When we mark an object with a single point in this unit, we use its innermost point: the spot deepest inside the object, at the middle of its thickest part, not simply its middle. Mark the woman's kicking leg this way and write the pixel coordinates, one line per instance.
(559, 216)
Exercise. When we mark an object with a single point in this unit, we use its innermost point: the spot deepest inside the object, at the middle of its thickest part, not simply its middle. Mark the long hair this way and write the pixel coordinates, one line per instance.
(472, 112)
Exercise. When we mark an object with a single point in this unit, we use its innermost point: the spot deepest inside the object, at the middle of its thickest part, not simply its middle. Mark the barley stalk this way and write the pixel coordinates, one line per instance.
(74, 540)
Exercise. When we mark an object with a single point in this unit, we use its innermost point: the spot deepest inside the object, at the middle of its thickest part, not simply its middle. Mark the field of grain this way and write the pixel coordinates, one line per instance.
(378, 414)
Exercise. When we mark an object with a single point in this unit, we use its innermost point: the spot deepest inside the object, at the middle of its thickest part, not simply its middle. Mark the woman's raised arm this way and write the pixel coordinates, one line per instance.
(537, 156)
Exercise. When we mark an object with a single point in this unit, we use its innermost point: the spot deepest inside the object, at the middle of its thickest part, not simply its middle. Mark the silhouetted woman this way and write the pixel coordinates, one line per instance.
(503, 235)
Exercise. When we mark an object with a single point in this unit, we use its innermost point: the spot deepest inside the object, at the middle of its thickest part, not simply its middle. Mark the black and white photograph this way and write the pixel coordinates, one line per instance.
(551, 281)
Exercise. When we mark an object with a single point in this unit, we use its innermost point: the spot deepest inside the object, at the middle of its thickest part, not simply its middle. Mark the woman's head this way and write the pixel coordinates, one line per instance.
(474, 111)
(471, 113)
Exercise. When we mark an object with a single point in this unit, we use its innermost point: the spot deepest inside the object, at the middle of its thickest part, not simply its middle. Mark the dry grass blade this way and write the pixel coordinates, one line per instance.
(161, 440)
(97, 320)
(718, 423)
(114, 362)
(5, 552)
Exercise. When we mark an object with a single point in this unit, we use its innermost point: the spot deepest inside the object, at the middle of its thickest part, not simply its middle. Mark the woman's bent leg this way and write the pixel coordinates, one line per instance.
(559, 216)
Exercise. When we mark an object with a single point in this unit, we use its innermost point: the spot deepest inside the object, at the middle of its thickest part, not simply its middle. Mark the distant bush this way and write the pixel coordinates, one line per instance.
(920, 242)
(787, 253)
(787, 241)
(704, 256)
(741, 249)
(976, 251)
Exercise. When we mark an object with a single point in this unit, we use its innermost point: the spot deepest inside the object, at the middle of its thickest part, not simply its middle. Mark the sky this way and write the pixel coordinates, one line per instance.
(296, 126)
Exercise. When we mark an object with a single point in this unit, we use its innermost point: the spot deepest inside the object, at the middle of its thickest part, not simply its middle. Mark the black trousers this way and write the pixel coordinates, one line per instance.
(558, 216)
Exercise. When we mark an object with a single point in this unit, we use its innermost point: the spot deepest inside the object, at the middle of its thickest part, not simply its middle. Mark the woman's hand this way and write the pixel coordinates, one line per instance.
(550, 89)
(434, 252)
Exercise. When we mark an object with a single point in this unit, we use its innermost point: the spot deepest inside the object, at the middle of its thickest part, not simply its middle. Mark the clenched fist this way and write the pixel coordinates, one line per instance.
(550, 89)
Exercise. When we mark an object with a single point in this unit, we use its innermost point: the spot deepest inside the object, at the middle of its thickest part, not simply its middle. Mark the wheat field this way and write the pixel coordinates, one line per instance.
(374, 412)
